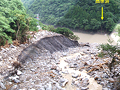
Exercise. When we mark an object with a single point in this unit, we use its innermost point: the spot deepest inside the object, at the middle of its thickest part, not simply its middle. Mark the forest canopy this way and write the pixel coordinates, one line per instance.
(76, 14)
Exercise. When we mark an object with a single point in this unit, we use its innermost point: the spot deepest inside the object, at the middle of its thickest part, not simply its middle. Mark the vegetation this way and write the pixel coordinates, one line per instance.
(76, 14)
(86, 14)
(64, 31)
(110, 50)
(50, 11)
(14, 22)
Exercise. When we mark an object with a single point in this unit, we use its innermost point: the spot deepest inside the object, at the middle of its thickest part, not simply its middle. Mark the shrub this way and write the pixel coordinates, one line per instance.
(110, 50)
(64, 31)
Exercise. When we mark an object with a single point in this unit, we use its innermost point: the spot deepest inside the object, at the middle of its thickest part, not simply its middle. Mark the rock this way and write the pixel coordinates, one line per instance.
(16, 81)
(64, 54)
(75, 75)
(73, 65)
(63, 82)
(28, 78)
(105, 89)
(85, 80)
(96, 77)
(65, 72)
(84, 88)
(59, 87)
(9, 67)
(32, 89)
(19, 72)
(12, 46)
(111, 80)
(49, 87)
(2, 85)
(102, 83)
(33, 70)
(14, 77)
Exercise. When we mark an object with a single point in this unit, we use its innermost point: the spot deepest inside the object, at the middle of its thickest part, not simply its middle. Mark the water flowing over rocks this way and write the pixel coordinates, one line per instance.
(49, 62)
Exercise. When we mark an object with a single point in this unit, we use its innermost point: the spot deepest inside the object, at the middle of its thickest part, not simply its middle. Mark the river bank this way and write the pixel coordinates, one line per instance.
(50, 71)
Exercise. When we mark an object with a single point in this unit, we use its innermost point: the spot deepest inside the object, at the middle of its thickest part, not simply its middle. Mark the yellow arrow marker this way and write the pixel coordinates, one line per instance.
(102, 13)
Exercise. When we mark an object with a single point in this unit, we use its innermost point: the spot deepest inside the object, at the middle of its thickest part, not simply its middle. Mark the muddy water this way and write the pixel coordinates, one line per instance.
(93, 38)
(92, 83)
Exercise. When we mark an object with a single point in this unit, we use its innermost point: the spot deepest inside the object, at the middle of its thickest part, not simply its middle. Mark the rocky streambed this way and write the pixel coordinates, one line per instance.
(53, 62)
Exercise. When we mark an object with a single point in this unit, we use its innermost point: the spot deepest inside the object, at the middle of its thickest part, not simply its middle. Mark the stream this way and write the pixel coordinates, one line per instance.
(83, 74)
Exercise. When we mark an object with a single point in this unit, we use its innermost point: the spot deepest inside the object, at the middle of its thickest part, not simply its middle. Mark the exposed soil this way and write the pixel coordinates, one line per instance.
(52, 44)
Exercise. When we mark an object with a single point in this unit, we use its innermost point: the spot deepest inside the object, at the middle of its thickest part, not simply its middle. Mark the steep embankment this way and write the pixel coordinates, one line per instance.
(51, 44)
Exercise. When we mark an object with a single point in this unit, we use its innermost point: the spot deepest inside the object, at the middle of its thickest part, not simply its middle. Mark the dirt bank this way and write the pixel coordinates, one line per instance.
(51, 44)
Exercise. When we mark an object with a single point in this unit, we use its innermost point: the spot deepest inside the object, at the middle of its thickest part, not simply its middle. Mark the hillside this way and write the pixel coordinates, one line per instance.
(76, 14)
(50, 11)
(86, 14)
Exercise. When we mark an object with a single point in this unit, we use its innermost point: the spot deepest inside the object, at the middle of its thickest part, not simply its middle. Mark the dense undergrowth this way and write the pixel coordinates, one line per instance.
(14, 22)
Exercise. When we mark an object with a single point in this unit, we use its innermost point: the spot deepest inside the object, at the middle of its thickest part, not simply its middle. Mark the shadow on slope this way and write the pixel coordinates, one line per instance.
(51, 44)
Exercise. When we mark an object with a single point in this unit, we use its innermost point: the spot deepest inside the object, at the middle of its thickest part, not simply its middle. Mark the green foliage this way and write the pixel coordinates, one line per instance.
(64, 31)
(88, 15)
(50, 11)
(110, 50)
(14, 22)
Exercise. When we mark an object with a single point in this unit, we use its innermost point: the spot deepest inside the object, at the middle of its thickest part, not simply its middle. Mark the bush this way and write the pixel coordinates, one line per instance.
(110, 50)
(64, 31)
(44, 27)
(51, 28)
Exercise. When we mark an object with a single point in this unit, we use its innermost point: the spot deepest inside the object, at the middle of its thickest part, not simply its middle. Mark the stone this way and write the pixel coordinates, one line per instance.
(16, 81)
(75, 75)
(14, 77)
(65, 72)
(12, 46)
(19, 72)
(105, 89)
(9, 67)
(96, 77)
(64, 54)
(111, 80)
(28, 78)
(84, 88)
(49, 87)
(63, 82)
(2, 85)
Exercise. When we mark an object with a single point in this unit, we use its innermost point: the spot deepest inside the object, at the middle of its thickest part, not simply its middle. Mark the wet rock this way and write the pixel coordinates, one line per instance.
(63, 82)
(2, 85)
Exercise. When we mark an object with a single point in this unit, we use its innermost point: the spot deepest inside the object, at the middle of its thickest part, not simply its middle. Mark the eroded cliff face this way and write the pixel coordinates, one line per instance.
(51, 44)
